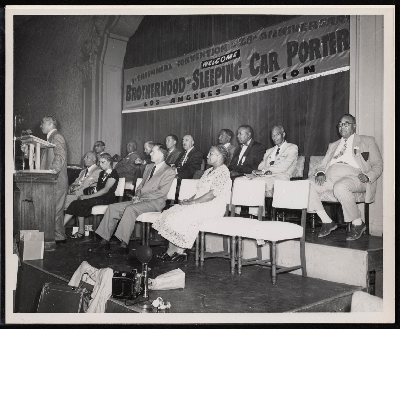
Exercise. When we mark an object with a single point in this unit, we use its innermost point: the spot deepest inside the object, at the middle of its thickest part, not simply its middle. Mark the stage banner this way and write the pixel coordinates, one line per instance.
(302, 48)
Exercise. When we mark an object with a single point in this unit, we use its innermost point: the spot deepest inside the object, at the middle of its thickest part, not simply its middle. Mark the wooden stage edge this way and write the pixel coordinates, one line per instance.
(211, 289)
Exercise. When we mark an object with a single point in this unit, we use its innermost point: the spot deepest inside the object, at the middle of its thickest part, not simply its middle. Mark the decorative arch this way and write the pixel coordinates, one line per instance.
(101, 65)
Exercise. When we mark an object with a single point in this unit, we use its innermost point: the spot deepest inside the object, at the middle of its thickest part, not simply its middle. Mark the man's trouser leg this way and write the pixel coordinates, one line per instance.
(314, 201)
(110, 220)
(59, 223)
(69, 199)
(344, 190)
(128, 220)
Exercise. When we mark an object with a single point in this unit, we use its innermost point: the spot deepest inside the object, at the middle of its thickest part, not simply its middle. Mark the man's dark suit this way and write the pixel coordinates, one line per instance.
(191, 165)
(55, 158)
(127, 168)
(173, 156)
(250, 160)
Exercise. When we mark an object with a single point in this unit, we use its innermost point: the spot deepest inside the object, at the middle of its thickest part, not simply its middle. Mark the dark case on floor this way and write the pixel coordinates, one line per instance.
(59, 298)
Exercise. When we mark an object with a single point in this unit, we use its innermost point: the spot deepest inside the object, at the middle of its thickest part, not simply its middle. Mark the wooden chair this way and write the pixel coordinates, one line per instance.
(329, 198)
(245, 192)
(187, 189)
(287, 195)
(98, 211)
(131, 184)
(297, 174)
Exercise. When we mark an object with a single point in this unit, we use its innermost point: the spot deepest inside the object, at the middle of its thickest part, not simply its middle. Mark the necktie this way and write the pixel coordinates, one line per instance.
(86, 172)
(276, 155)
(242, 158)
(341, 152)
(183, 159)
(152, 172)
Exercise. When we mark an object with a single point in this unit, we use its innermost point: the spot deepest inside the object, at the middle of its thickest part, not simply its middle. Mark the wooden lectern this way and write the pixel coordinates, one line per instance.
(35, 194)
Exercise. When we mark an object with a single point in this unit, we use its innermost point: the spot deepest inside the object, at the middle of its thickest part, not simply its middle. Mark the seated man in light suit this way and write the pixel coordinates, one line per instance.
(279, 161)
(351, 165)
(150, 196)
(87, 178)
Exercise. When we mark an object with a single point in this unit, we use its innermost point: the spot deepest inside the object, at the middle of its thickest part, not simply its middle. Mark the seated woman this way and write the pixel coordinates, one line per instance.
(105, 192)
(180, 224)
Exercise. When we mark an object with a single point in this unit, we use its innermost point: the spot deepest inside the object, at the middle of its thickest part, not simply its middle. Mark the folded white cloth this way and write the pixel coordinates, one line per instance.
(364, 302)
(101, 279)
(174, 279)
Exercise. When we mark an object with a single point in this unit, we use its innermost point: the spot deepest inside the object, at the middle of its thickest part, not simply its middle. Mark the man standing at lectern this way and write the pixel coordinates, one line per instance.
(55, 159)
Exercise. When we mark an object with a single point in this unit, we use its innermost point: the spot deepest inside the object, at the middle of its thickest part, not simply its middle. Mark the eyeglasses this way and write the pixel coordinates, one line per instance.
(345, 124)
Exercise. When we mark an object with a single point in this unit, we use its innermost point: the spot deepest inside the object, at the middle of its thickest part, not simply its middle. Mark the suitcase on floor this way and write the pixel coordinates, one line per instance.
(61, 298)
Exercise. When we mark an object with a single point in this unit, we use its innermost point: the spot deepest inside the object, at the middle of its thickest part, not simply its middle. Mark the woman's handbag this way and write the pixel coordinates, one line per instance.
(89, 190)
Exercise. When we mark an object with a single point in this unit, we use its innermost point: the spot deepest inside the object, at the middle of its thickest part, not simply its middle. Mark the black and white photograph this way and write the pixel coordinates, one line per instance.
(199, 165)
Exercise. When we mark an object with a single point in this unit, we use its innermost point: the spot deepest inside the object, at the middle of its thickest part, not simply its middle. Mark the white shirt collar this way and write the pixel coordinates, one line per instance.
(282, 146)
(349, 141)
(189, 150)
(226, 145)
(158, 166)
(248, 142)
(49, 133)
(91, 167)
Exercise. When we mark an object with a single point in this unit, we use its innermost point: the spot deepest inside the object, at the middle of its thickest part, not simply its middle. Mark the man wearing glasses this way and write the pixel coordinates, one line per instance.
(351, 165)
(99, 148)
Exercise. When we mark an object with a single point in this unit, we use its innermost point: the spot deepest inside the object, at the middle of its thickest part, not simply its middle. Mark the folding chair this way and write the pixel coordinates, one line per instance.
(245, 192)
(288, 195)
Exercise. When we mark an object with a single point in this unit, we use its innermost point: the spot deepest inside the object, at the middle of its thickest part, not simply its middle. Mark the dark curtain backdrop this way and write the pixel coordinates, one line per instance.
(307, 110)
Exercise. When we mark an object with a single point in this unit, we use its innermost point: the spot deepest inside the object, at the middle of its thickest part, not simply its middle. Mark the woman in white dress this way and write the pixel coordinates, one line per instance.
(180, 224)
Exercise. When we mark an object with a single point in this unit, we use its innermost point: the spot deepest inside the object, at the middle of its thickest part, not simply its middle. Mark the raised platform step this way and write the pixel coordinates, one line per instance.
(331, 258)
(211, 289)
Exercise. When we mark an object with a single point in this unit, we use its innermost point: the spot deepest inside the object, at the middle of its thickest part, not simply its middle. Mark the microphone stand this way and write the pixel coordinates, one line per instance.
(144, 255)
(146, 305)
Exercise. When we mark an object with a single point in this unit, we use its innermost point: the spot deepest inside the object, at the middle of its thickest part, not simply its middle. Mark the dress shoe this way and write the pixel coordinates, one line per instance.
(118, 252)
(100, 247)
(356, 231)
(326, 229)
(164, 256)
(179, 256)
(77, 235)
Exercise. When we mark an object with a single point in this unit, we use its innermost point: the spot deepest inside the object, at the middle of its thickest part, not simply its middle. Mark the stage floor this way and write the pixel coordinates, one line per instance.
(211, 289)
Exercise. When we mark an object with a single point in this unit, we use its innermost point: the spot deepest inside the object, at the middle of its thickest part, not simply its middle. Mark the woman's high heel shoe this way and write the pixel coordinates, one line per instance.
(77, 235)
(179, 256)
(164, 256)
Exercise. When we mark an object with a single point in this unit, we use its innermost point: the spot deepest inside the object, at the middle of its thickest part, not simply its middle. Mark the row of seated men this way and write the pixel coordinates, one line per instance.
(351, 165)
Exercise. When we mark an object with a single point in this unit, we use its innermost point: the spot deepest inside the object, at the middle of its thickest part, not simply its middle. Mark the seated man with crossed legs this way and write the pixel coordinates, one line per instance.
(351, 165)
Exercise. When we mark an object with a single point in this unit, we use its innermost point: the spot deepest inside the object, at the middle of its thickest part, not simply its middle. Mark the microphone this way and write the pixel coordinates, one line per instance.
(144, 254)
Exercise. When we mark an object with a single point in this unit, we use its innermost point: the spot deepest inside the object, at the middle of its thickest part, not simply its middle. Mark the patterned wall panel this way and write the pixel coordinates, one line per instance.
(47, 80)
